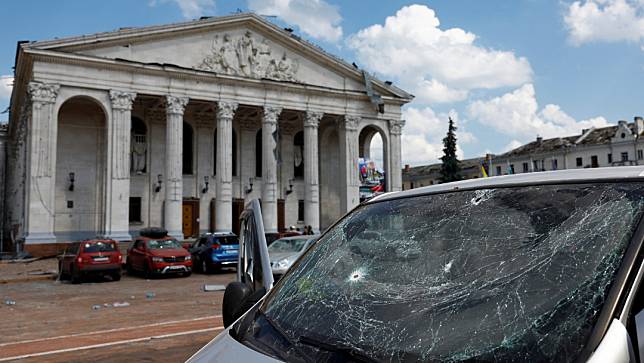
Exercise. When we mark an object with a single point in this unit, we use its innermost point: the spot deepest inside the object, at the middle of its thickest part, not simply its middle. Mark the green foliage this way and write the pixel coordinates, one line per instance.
(450, 169)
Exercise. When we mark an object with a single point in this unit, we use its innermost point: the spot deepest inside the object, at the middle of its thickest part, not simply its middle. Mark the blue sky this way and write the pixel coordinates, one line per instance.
(504, 70)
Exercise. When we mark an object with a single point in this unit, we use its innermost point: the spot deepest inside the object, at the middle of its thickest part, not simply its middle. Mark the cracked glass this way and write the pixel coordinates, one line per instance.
(503, 274)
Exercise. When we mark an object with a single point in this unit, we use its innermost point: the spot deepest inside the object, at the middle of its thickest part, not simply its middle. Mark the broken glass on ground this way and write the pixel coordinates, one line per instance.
(496, 275)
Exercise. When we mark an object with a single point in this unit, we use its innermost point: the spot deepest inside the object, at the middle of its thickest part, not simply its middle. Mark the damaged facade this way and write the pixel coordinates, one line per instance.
(179, 125)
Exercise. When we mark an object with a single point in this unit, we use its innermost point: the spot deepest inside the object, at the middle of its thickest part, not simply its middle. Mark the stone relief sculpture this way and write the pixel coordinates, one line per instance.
(249, 58)
(139, 150)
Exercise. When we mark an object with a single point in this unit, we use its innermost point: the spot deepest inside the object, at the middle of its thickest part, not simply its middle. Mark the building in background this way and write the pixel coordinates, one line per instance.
(618, 145)
(180, 125)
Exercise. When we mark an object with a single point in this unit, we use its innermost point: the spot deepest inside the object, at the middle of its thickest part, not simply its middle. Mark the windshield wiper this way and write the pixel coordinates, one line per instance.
(352, 353)
(282, 334)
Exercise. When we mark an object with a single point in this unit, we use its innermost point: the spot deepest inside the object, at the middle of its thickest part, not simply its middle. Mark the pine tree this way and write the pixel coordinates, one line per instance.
(450, 169)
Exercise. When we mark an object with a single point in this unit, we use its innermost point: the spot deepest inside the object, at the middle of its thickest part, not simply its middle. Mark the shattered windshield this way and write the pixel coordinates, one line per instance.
(496, 275)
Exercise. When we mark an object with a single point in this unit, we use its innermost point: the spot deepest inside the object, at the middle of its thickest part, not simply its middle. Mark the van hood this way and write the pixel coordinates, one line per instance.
(169, 253)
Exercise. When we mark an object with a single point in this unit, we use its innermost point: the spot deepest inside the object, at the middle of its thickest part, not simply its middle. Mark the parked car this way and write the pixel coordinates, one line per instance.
(212, 251)
(285, 251)
(156, 253)
(90, 257)
(543, 266)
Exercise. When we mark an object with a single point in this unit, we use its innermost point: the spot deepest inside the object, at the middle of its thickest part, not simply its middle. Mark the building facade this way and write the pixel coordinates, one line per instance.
(618, 145)
(180, 125)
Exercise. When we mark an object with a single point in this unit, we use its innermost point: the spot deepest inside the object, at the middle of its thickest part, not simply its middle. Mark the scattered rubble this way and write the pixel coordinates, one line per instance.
(210, 288)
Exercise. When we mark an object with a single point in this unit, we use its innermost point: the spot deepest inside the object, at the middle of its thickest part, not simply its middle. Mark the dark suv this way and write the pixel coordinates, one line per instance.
(212, 251)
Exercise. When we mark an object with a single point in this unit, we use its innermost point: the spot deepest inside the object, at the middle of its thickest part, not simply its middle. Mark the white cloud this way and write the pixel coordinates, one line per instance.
(605, 20)
(423, 134)
(437, 65)
(191, 9)
(316, 18)
(512, 145)
(517, 114)
(6, 85)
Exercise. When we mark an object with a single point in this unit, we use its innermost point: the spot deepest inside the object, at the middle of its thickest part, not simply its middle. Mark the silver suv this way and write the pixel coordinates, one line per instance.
(533, 267)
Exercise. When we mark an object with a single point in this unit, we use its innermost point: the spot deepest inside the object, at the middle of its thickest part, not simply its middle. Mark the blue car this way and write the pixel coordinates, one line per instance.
(212, 251)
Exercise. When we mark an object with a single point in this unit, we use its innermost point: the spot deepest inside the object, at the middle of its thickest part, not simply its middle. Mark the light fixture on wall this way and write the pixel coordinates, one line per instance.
(72, 178)
(157, 186)
(205, 182)
(249, 188)
(290, 187)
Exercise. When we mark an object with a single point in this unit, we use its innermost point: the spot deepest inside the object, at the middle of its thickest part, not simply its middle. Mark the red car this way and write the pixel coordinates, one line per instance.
(95, 257)
(158, 256)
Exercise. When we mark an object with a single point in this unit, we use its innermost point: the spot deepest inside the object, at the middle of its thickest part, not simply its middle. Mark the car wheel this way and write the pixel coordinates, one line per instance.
(75, 276)
(116, 276)
(147, 271)
(187, 274)
(128, 268)
(61, 274)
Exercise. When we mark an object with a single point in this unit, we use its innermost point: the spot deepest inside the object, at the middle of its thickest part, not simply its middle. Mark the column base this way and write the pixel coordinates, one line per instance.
(176, 234)
(119, 236)
(36, 237)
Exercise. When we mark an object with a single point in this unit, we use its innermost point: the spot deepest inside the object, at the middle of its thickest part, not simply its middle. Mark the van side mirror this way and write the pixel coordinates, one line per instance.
(234, 296)
(238, 299)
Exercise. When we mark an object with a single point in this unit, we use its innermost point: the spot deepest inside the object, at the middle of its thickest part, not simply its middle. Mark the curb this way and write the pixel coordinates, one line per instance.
(29, 279)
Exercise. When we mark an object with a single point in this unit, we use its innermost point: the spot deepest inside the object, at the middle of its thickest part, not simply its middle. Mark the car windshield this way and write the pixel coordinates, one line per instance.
(90, 247)
(501, 274)
(287, 245)
(163, 244)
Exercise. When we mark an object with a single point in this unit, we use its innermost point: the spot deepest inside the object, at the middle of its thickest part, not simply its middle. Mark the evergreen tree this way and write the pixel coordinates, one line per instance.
(450, 169)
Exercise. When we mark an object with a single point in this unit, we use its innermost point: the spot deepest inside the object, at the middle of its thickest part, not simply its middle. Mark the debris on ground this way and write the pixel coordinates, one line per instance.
(10, 302)
(121, 304)
(96, 307)
(150, 295)
(41, 272)
(210, 288)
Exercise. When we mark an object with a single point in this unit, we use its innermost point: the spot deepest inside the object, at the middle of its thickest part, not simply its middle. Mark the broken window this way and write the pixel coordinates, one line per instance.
(487, 275)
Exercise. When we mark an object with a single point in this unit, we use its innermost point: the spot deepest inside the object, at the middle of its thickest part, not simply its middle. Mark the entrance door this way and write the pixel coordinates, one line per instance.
(280, 216)
(238, 208)
(190, 225)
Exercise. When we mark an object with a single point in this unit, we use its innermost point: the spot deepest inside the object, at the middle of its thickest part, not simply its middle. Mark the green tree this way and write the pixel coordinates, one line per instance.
(450, 169)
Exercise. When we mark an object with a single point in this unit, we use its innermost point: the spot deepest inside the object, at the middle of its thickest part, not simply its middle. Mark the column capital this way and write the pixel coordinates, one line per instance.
(122, 100)
(312, 118)
(351, 122)
(271, 114)
(395, 126)
(176, 105)
(43, 93)
(226, 110)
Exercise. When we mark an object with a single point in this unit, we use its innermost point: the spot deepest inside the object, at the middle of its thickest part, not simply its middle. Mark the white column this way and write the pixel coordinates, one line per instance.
(174, 165)
(118, 186)
(311, 178)
(269, 168)
(349, 160)
(224, 172)
(395, 152)
(41, 164)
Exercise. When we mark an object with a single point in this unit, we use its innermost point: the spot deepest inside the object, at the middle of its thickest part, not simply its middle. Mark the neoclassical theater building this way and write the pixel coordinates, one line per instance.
(179, 125)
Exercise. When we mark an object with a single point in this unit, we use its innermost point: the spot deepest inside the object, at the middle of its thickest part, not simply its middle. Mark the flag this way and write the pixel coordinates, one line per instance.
(483, 171)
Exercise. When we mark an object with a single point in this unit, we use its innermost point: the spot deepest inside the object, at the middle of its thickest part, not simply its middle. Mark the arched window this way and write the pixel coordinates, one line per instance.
(234, 161)
(139, 146)
(258, 154)
(187, 148)
(298, 155)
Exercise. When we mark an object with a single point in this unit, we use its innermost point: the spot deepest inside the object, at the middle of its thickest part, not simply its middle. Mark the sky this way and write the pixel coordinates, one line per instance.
(504, 71)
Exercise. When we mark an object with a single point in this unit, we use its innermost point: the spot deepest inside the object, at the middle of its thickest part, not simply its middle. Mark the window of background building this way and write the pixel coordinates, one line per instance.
(535, 165)
(512, 168)
(258, 154)
(593, 161)
(625, 156)
(640, 154)
(610, 158)
(525, 167)
(300, 210)
(411, 185)
(187, 149)
(135, 210)
(298, 148)
(498, 170)
(580, 162)
(555, 165)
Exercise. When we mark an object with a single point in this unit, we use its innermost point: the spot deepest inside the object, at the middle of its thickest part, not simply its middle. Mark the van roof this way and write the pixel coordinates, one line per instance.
(543, 177)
